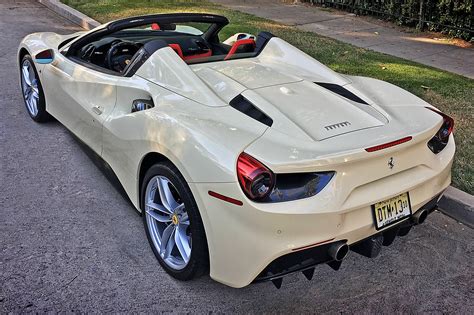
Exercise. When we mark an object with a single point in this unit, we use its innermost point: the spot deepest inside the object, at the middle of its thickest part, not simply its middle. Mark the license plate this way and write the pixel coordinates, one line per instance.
(391, 211)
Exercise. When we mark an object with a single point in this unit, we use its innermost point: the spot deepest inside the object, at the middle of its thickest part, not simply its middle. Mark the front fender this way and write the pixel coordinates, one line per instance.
(37, 42)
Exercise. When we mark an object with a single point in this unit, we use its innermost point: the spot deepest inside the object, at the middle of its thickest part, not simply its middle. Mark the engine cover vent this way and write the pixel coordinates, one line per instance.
(241, 104)
(342, 92)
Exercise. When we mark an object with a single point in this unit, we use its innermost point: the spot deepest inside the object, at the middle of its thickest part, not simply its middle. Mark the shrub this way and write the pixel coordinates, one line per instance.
(453, 17)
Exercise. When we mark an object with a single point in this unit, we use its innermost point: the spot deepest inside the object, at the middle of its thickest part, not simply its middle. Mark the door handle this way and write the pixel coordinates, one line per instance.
(97, 110)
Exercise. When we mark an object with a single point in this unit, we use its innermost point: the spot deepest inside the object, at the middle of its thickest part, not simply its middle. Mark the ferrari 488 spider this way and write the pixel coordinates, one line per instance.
(248, 158)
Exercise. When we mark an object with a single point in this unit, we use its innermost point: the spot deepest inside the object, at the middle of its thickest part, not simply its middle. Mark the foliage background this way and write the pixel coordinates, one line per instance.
(453, 17)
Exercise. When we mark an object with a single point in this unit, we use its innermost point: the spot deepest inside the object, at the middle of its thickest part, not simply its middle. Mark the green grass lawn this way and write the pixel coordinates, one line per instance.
(453, 94)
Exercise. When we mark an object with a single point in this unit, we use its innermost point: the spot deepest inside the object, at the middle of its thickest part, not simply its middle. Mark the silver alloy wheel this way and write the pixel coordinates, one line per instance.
(29, 85)
(168, 222)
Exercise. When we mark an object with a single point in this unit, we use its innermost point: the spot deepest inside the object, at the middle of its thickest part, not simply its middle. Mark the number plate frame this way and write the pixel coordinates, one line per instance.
(374, 215)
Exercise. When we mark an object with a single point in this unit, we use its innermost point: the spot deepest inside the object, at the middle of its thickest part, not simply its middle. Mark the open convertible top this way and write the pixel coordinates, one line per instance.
(162, 20)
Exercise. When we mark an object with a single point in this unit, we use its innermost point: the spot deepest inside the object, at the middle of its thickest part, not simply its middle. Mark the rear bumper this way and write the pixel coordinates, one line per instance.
(244, 240)
(306, 259)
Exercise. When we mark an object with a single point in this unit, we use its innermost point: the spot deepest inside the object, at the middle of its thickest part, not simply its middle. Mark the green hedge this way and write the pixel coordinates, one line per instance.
(453, 17)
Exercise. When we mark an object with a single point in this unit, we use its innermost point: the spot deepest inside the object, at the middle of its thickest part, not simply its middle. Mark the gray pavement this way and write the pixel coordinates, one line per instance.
(70, 242)
(363, 33)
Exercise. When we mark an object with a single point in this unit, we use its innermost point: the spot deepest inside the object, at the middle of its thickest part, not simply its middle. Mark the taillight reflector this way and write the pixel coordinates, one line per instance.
(388, 144)
(312, 245)
(225, 198)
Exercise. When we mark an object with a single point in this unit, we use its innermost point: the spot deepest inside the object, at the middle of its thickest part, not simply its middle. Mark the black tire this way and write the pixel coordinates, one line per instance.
(198, 264)
(42, 115)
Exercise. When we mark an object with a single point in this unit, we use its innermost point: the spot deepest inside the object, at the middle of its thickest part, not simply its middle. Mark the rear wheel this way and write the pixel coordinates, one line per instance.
(32, 91)
(172, 222)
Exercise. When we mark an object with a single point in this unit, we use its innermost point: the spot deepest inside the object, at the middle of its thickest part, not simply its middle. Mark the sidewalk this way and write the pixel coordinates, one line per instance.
(362, 33)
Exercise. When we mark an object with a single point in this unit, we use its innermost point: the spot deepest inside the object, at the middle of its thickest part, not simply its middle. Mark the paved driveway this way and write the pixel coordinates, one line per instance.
(69, 241)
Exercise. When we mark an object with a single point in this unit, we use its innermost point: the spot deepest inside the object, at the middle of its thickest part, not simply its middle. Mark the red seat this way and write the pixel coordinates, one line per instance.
(179, 51)
(237, 44)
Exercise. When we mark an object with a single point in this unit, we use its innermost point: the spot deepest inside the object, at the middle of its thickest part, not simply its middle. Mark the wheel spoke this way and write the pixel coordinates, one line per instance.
(34, 107)
(27, 92)
(167, 247)
(171, 244)
(166, 196)
(31, 74)
(158, 207)
(184, 219)
(26, 75)
(29, 103)
(166, 238)
(179, 208)
(158, 217)
(182, 242)
(32, 101)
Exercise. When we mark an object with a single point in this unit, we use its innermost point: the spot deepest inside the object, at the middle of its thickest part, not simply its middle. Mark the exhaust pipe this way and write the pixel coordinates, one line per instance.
(420, 216)
(338, 251)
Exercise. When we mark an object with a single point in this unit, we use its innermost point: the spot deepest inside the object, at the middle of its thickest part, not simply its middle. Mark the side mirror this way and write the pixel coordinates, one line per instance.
(45, 57)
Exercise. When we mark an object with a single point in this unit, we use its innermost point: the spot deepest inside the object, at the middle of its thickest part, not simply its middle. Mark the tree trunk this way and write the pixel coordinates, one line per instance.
(421, 25)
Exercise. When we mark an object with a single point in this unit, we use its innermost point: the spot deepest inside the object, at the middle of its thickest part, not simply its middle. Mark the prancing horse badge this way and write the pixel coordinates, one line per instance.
(390, 163)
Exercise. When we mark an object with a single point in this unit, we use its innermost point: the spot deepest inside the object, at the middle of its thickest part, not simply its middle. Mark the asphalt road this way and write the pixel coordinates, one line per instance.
(70, 242)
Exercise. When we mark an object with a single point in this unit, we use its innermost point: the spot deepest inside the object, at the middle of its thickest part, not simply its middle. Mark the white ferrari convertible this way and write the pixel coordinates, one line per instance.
(248, 159)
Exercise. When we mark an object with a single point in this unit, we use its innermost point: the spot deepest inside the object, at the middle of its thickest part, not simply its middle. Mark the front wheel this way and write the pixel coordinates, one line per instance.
(32, 90)
(172, 222)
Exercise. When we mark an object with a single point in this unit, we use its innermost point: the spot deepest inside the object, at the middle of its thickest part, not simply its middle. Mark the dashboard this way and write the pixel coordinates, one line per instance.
(115, 53)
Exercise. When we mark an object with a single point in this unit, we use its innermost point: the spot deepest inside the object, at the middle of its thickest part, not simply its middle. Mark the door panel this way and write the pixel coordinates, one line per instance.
(80, 98)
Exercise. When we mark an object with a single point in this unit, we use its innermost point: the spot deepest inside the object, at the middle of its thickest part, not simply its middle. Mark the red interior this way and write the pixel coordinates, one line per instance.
(179, 51)
(177, 48)
(206, 54)
(237, 44)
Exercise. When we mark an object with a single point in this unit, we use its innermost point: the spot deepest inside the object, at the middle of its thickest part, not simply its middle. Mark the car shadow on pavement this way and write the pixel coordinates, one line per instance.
(104, 168)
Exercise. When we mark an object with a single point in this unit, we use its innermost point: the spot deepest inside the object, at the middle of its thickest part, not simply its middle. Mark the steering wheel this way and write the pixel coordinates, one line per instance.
(120, 54)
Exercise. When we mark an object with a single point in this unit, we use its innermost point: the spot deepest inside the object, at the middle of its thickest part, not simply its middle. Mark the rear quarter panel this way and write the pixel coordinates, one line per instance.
(202, 142)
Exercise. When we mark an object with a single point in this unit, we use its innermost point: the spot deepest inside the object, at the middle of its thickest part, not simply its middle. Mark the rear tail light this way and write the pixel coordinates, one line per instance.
(261, 185)
(256, 180)
(441, 138)
(296, 186)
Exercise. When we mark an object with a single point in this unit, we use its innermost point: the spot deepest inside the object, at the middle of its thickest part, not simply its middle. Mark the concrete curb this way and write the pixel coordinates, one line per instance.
(71, 14)
(458, 205)
(455, 203)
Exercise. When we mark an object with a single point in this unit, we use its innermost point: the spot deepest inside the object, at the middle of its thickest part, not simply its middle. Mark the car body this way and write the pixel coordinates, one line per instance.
(287, 161)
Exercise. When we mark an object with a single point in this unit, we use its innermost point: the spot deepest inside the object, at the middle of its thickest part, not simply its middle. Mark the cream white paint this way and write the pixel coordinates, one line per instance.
(193, 126)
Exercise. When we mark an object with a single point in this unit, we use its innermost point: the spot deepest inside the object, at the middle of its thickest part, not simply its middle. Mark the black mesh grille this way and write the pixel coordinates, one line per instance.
(342, 91)
(241, 104)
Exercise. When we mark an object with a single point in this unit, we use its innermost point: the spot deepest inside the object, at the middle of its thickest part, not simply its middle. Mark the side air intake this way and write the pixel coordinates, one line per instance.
(342, 91)
(241, 104)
